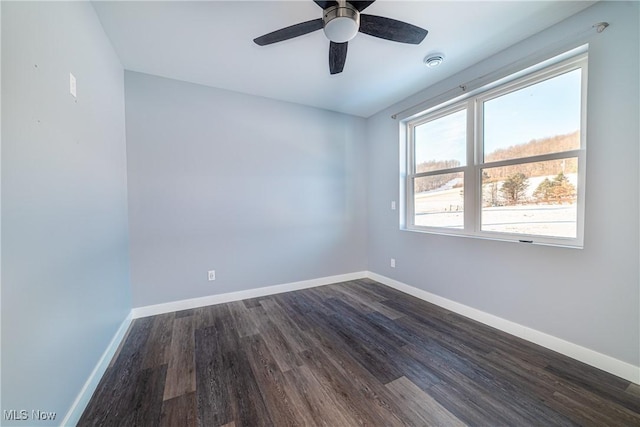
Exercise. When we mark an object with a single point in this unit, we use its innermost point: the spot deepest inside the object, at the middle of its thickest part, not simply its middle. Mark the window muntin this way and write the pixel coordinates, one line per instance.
(547, 148)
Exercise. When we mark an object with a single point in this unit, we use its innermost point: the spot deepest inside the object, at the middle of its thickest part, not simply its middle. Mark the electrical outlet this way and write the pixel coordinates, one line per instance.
(393, 263)
(212, 275)
(393, 205)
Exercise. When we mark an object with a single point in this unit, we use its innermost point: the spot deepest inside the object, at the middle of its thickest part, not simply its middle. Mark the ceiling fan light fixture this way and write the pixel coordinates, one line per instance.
(341, 23)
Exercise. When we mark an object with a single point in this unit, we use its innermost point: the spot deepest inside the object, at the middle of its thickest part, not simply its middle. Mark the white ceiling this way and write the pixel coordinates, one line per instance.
(211, 43)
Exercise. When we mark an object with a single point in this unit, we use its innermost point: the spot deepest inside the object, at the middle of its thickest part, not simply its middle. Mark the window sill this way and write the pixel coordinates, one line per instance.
(498, 237)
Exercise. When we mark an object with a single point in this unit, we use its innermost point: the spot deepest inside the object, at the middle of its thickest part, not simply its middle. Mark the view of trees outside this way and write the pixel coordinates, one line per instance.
(439, 145)
(534, 198)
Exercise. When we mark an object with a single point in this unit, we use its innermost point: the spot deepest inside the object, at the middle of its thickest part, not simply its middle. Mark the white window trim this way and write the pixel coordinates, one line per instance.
(474, 164)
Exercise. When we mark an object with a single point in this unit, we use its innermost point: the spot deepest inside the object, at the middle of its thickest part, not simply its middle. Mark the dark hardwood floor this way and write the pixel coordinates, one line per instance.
(355, 353)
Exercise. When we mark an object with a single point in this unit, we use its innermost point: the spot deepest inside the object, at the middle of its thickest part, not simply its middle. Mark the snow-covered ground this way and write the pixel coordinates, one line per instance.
(443, 208)
(541, 220)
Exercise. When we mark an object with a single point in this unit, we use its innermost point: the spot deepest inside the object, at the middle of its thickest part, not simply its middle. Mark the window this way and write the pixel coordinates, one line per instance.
(507, 163)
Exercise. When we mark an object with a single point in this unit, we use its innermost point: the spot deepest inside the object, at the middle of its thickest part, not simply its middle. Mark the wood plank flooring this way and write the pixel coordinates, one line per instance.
(354, 353)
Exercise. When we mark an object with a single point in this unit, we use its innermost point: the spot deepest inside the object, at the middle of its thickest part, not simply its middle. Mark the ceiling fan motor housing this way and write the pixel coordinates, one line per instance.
(341, 22)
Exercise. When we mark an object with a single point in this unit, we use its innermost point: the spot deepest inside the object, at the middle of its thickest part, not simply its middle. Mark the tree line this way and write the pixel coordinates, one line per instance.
(513, 191)
(514, 178)
(433, 182)
(536, 147)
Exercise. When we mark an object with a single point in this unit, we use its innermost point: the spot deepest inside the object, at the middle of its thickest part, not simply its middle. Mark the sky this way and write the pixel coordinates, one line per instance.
(442, 139)
(549, 108)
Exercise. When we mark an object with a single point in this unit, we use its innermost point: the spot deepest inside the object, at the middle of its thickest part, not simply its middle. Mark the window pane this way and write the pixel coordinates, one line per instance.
(441, 143)
(532, 198)
(539, 119)
(439, 200)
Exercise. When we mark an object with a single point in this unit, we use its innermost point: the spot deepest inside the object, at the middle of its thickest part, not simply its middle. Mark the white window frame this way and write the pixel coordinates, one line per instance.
(475, 162)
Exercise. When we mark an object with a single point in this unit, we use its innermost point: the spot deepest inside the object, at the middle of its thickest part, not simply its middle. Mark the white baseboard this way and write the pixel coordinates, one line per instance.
(590, 357)
(79, 405)
(152, 310)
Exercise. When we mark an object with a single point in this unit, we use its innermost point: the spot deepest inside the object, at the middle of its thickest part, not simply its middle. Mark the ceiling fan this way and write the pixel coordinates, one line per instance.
(341, 21)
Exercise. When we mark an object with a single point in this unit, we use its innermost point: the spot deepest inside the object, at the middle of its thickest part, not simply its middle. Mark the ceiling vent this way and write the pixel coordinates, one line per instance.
(433, 60)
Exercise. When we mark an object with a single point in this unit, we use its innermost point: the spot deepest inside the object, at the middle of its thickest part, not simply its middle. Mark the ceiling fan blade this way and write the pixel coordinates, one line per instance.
(361, 5)
(337, 57)
(290, 32)
(390, 29)
(325, 4)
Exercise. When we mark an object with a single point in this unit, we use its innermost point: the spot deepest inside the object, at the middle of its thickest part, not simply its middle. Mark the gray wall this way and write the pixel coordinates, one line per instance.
(65, 273)
(262, 191)
(589, 297)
